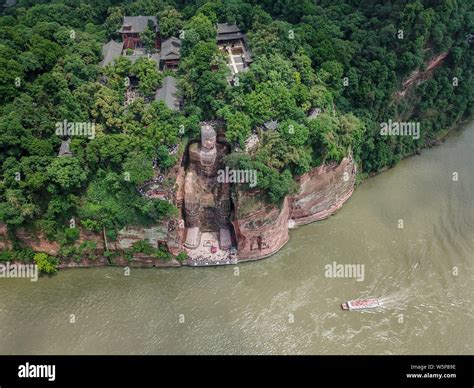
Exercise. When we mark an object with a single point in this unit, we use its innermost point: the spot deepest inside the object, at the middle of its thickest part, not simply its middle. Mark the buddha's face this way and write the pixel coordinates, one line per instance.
(209, 142)
(208, 137)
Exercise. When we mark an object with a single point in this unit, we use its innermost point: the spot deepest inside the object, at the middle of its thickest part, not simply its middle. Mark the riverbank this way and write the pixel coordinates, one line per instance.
(318, 198)
(439, 140)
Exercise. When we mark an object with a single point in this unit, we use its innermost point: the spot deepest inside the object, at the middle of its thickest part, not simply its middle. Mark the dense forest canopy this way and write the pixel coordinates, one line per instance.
(348, 58)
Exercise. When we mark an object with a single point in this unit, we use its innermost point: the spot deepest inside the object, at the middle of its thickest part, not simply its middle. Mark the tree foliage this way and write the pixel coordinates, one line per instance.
(328, 73)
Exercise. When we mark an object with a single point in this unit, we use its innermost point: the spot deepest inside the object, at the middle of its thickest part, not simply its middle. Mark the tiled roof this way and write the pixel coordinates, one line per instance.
(9, 3)
(223, 37)
(226, 28)
(168, 93)
(137, 23)
(110, 51)
(154, 57)
(170, 48)
(272, 124)
(64, 149)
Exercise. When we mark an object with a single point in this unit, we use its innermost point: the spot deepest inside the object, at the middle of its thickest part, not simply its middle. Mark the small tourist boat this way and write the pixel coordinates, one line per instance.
(213, 249)
(361, 304)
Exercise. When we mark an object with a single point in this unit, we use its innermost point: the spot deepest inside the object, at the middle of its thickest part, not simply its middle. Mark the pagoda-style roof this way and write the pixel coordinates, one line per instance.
(170, 49)
(228, 32)
(227, 28)
(137, 24)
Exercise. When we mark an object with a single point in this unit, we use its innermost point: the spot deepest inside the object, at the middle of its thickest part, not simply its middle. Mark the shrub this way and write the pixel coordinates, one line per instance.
(91, 225)
(142, 246)
(25, 255)
(46, 263)
(5, 255)
(71, 234)
(111, 234)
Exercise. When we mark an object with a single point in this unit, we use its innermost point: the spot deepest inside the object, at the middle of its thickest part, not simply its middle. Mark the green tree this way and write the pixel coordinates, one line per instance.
(171, 22)
(67, 172)
(148, 38)
(148, 76)
(198, 28)
(203, 80)
(238, 127)
(138, 167)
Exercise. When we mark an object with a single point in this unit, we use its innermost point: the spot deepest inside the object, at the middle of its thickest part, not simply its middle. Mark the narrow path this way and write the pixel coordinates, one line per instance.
(232, 62)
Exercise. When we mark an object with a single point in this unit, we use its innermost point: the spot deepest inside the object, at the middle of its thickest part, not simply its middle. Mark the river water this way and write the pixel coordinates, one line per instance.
(423, 274)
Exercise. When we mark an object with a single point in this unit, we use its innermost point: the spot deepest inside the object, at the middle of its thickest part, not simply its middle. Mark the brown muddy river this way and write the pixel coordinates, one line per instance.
(423, 274)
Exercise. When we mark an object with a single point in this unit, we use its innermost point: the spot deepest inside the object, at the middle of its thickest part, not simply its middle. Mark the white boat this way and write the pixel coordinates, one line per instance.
(361, 304)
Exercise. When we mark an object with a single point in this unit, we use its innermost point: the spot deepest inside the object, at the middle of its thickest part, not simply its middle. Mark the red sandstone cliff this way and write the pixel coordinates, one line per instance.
(322, 191)
(262, 230)
(169, 233)
(39, 243)
(4, 241)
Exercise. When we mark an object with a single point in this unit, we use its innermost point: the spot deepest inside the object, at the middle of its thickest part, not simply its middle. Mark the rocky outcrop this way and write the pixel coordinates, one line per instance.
(4, 240)
(322, 191)
(419, 76)
(261, 230)
(129, 235)
(169, 233)
(138, 261)
(39, 243)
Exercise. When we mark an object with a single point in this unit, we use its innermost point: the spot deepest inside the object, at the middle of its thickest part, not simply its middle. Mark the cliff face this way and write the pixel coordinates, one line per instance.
(4, 241)
(169, 233)
(129, 235)
(262, 230)
(39, 243)
(322, 192)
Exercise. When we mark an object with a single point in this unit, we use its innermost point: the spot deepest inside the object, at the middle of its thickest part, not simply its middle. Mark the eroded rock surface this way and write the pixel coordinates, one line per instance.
(262, 230)
(322, 192)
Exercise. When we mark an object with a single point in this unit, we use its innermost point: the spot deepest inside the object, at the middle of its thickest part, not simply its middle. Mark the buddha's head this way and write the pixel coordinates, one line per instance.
(208, 137)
